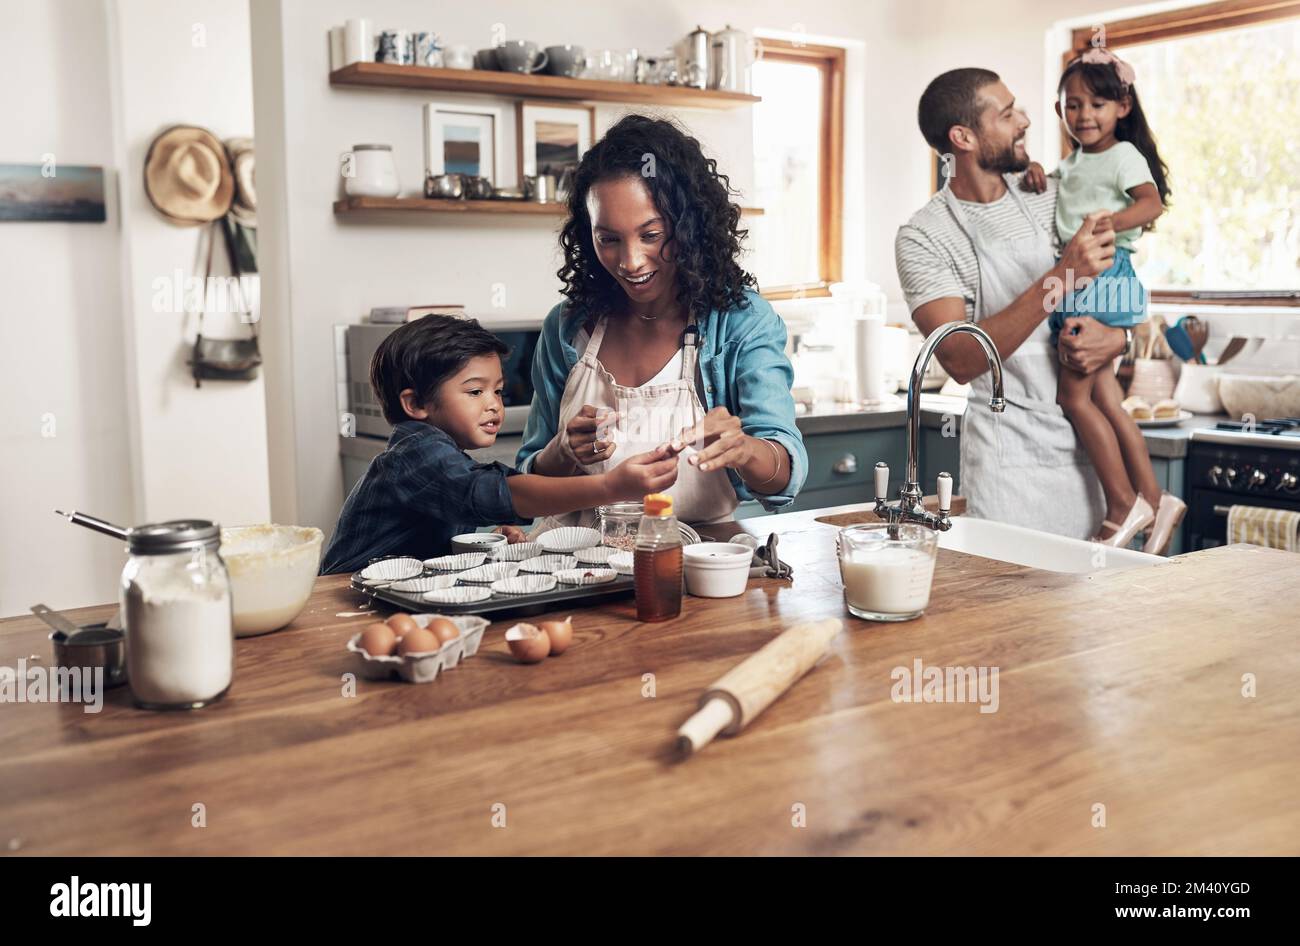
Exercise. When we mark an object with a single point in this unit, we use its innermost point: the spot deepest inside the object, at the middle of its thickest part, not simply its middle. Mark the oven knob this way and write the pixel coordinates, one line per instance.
(1214, 474)
(1229, 476)
(1287, 482)
(1258, 480)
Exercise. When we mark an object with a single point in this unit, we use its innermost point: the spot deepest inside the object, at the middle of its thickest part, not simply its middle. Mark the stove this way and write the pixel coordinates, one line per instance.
(1240, 463)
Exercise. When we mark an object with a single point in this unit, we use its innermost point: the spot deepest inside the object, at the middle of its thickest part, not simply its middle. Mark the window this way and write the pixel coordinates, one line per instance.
(1220, 85)
(798, 168)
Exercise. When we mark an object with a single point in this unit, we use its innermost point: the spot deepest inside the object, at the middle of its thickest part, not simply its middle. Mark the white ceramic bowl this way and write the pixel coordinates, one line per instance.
(272, 572)
(716, 569)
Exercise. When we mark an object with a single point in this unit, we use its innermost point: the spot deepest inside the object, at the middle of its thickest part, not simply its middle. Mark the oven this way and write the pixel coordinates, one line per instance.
(1239, 464)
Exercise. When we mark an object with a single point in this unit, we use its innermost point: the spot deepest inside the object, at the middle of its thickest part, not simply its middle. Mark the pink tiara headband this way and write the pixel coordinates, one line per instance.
(1101, 56)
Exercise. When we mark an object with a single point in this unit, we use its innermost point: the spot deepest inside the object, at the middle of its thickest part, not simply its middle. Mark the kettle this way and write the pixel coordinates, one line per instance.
(731, 56)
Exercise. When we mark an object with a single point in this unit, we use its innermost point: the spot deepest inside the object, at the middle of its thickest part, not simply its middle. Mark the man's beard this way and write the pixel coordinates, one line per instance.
(1005, 161)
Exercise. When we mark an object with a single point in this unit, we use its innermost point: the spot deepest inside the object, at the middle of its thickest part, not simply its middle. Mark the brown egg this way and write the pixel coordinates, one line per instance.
(402, 624)
(444, 629)
(418, 641)
(378, 640)
(528, 643)
(560, 634)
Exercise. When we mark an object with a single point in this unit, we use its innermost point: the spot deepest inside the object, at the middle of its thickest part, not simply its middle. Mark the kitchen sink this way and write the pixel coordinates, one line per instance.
(1029, 547)
(1016, 545)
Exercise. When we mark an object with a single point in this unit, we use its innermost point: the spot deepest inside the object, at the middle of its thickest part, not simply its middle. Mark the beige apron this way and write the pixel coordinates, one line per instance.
(1024, 466)
(648, 416)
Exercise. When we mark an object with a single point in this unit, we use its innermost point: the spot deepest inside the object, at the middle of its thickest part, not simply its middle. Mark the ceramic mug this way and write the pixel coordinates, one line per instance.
(427, 49)
(458, 57)
(394, 46)
(486, 59)
(519, 55)
(566, 60)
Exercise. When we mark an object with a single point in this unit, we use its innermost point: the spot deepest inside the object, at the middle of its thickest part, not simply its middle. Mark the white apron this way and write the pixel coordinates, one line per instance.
(1024, 466)
(648, 416)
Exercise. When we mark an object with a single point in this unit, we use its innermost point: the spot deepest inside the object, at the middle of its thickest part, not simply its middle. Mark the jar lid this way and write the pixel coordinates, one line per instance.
(658, 504)
(176, 535)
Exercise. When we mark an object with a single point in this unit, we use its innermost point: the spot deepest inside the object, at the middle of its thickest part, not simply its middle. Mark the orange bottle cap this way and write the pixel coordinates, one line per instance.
(658, 504)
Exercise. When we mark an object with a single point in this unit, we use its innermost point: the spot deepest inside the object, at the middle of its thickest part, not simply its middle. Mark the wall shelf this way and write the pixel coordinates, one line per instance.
(364, 206)
(386, 75)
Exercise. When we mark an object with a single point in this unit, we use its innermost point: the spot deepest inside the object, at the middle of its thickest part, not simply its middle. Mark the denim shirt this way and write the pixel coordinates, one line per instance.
(414, 497)
(742, 360)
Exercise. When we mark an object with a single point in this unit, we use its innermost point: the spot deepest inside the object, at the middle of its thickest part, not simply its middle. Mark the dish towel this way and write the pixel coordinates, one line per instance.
(1272, 528)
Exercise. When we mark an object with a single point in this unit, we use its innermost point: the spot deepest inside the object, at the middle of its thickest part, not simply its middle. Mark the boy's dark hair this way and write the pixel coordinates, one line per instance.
(952, 99)
(422, 354)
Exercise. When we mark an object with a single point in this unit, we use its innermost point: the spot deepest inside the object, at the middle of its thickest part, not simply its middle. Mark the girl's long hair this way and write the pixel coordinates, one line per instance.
(1102, 79)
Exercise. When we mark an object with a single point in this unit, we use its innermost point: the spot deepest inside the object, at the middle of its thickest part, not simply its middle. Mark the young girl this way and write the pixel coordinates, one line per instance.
(1114, 167)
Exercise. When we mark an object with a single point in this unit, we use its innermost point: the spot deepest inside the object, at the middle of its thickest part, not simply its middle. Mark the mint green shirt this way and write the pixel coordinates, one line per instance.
(1099, 182)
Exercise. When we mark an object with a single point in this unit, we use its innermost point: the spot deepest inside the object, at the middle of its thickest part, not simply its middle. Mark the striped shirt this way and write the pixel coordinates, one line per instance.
(936, 260)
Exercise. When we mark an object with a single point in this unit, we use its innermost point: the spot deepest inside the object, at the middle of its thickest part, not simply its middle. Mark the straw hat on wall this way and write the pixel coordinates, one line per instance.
(187, 176)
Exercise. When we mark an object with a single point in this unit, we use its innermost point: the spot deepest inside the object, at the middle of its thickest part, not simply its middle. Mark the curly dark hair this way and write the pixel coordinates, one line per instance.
(692, 195)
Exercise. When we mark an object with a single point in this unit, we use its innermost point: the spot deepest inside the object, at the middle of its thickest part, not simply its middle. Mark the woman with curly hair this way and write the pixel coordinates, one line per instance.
(663, 341)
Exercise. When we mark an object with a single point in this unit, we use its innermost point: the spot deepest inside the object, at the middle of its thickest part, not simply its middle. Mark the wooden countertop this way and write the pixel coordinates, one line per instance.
(1122, 689)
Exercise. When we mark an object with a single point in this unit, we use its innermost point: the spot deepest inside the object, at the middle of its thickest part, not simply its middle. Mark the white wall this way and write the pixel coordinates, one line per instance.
(85, 356)
(319, 271)
(201, 452)
(61, 347)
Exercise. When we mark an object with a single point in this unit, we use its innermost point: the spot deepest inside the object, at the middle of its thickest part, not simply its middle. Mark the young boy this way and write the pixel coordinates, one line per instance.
(439, 380)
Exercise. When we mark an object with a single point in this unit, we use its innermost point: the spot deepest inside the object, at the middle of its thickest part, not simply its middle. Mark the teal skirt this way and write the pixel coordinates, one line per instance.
(1116, 297)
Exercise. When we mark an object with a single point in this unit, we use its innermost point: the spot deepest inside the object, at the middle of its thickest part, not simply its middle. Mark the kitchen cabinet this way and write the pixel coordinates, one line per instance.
(841, 469)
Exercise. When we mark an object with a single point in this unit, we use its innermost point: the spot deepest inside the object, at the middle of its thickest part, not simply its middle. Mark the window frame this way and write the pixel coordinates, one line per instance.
(829, 60)
(1174, 24)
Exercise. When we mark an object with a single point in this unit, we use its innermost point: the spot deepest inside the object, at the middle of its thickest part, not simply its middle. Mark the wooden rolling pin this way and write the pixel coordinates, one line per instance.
(750, 687)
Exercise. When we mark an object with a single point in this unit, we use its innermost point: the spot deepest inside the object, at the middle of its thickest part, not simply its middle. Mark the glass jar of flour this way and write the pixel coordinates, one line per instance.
(175, 597)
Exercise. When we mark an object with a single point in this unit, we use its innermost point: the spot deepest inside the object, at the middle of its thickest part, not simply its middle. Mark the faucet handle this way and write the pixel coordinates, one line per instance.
(882, 481)
(943, 487)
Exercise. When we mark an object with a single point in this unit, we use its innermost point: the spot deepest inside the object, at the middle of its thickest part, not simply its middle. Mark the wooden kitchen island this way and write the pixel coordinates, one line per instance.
(1123, 690)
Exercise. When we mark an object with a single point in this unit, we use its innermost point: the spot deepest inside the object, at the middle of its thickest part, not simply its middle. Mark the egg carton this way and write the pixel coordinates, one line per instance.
(422, 668)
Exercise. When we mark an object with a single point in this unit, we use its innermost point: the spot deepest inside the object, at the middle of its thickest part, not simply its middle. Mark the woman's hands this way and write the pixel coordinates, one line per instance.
(723, 442)
(636, 477)
(585, 431)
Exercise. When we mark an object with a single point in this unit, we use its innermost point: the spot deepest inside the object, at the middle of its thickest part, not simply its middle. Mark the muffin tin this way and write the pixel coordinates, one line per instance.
(421, 668)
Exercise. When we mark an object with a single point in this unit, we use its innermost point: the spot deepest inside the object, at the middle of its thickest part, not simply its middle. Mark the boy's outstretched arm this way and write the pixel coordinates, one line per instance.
(534, 495)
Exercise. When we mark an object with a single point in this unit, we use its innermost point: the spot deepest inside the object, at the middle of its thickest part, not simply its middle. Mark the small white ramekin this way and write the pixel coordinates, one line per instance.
(716, 569)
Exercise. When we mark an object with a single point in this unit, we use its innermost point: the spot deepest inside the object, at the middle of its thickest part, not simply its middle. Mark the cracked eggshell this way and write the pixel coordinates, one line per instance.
(528, 643)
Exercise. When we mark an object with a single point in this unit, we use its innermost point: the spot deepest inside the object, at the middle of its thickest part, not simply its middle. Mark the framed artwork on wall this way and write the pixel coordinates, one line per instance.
(553, 138)
(65, 193)
(464, 139)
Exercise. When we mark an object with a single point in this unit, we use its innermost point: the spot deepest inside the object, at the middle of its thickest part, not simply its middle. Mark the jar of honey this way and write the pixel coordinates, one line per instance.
(657, 561)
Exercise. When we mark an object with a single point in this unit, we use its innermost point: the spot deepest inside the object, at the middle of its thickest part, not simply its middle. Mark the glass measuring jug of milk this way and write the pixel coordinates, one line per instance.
(886, 578)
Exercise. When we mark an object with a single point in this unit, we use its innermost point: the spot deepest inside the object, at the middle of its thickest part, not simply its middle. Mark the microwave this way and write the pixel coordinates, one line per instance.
(517, 368)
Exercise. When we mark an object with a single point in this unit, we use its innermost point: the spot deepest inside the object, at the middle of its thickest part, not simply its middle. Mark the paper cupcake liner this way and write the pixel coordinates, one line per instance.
(547, 564)
(590, 575)
(392, 569)
(518, 552)
(456, 563)
(621, 562)
(524, 585)
(599, 555)
(568, 539)
(418, 586)
(486, 574)
(461, 594)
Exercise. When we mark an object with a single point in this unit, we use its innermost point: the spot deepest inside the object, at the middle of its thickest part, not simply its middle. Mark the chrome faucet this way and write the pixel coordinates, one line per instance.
(909, 507)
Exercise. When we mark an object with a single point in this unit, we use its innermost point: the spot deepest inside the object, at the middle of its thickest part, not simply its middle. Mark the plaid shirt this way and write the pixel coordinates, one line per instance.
(414, 497)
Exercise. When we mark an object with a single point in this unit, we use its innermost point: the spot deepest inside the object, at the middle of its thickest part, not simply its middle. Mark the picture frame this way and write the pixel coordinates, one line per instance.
(66, 193)
(553, 137)
(464, 139)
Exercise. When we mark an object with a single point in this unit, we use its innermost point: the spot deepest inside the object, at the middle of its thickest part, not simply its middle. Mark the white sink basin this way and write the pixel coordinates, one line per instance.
(1029, 547)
